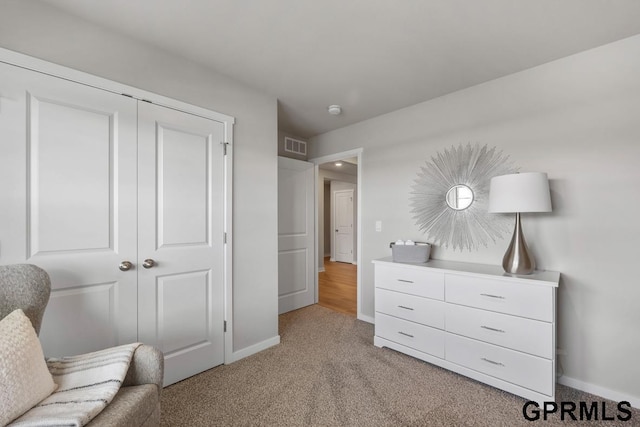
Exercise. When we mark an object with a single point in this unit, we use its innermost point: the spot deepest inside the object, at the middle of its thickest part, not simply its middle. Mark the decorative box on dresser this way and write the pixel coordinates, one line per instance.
(472, 319)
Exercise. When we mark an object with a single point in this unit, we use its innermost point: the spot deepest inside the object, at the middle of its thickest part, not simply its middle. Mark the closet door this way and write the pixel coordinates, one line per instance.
(68, 197)
(181, 172)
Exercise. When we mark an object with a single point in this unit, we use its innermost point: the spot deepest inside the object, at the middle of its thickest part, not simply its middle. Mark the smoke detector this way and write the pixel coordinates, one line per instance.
(334, 110)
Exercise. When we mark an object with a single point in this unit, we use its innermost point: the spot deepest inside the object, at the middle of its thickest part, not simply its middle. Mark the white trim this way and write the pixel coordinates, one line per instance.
(332, 158)
(320, 270)
(228, 250)
(254, 349)
(356, 152)
(317, 225)
(41, 66)
(607, 393)
(316, 264)
(59, 71)
(366, 318)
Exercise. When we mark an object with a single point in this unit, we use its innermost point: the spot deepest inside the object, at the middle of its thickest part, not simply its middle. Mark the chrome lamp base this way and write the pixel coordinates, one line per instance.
(518, 259)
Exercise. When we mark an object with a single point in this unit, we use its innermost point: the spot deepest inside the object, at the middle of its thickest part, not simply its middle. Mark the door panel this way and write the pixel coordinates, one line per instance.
(93, 305)
(60, 220)
(343, 208)
(182, 187)
(296, 234)
(182, 311)
(292, 268)
(181, 166)
(69, 204)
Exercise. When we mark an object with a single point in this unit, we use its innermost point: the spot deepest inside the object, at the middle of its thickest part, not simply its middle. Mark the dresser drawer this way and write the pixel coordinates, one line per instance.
(520, 299)
(421, 310)
(422, 338)
(518, 368)
(526, 335)
(415, 281)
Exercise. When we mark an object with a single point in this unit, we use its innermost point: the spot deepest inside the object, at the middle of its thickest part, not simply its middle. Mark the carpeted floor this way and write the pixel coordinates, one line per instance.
(327, 372)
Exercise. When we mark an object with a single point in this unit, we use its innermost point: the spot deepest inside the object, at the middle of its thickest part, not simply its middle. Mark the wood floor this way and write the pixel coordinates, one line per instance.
(337, 287)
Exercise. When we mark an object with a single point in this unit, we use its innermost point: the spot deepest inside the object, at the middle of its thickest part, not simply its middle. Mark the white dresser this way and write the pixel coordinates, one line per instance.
(473, 319)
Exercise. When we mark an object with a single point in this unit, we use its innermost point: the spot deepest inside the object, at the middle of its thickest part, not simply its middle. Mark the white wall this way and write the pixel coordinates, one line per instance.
(39, 30)
(576, 119)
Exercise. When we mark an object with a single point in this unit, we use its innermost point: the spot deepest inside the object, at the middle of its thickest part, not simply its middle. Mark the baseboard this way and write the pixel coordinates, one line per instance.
(253, 349)
(607, 393)
(366, 318)
(321, 270)
(332, 260)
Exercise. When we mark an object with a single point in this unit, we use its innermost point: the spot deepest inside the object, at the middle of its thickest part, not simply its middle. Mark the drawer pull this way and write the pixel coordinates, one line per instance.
(405, 334)
(405, 281)
(493, 296)
(492, 362)
(406, 308)
(492, 329)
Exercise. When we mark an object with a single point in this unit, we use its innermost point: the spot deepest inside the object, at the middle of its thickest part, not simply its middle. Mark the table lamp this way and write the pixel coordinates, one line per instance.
(516, 193)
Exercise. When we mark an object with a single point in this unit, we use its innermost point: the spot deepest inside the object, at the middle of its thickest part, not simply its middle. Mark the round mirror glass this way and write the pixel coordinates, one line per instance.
(459, 197)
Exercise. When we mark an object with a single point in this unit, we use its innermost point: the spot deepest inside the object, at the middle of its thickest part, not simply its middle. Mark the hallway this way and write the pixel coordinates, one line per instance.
(337, 287)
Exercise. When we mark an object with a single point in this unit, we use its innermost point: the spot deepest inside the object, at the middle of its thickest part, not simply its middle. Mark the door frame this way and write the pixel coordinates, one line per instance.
(24, 61)
(332, 158)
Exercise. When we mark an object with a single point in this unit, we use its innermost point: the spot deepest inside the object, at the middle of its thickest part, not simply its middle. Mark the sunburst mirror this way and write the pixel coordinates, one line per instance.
(450, 197)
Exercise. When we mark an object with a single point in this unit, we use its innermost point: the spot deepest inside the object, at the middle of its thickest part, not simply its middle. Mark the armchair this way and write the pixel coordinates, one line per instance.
(137, 403)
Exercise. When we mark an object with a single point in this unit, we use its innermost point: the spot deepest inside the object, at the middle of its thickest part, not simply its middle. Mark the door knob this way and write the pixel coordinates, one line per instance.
(125, 265)
(148, 263)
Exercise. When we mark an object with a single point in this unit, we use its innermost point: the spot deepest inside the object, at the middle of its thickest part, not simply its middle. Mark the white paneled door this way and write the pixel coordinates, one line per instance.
(296, 234)
(122, 203)
(181, 239)
(343, 221)
(68, 189)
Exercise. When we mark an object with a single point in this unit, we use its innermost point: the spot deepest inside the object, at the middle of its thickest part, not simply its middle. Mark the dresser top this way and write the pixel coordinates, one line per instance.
(545, 277)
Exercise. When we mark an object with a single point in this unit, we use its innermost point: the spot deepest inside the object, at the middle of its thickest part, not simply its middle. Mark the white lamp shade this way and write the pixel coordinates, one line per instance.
(520, 192)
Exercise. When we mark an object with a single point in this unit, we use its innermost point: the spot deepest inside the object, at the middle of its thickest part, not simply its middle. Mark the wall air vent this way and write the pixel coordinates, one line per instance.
(295, 146)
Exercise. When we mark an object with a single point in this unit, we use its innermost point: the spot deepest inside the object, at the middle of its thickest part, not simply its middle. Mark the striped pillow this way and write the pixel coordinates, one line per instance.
(24, 377)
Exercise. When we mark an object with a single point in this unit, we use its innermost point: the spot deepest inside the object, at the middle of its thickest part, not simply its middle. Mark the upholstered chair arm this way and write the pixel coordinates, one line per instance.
(147, 367)
(27, 287)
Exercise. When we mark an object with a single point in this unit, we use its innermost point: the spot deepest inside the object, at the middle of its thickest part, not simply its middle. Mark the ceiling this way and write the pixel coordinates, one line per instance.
(347, 166)
(369, 56)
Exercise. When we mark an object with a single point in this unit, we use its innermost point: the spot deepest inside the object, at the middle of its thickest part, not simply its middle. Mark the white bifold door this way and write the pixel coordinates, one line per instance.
(121, 202)
(181, 239)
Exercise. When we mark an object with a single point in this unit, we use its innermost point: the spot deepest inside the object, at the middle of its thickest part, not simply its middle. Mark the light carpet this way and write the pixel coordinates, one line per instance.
(327, 372)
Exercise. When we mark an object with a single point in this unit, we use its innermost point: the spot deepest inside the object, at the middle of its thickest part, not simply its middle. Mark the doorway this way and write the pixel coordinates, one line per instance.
(338, 232)
(337, 287)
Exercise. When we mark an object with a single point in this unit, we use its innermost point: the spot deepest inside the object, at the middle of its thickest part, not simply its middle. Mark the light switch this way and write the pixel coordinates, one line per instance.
(378, 226)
